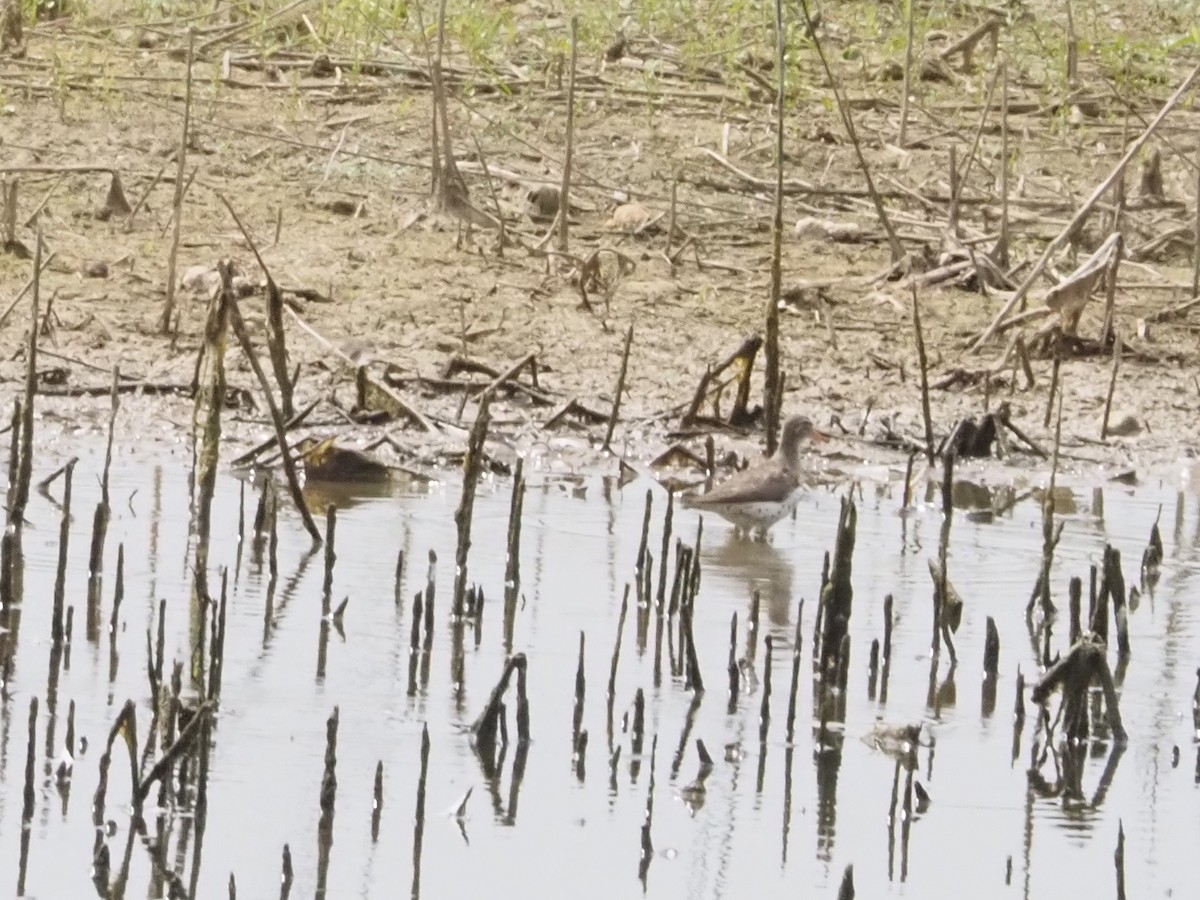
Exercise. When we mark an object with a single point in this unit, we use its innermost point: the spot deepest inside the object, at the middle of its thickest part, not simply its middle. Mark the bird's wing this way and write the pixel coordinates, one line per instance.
(750, 486)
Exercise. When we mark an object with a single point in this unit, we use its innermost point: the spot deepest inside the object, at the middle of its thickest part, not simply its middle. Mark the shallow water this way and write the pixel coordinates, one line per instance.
(775, 819)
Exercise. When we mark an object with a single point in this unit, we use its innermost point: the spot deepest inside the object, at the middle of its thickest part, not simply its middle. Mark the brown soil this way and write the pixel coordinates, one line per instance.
(338, 161)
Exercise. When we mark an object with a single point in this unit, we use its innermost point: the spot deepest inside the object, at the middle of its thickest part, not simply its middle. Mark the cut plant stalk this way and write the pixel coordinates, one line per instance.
(564, 193)
(419, 816)
(906, 89)
(647, 852)
(100, 523)
(1000, 252)
(616, 407)
(1084, 210)
(377, 802)
(276, 336)
(20, 494)
(327, 801)
(764, 710)
(772, 388)
(60, 574)
(923, 363)
(612, 672)
(289, 465)
(1112, 386)
(512, 567)
(794, 690)
(580, 694)
(847, 120)
(472, 467)
(168, 312)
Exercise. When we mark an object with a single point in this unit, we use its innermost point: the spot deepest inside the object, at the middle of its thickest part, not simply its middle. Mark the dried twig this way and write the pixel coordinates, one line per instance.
(1082, 213)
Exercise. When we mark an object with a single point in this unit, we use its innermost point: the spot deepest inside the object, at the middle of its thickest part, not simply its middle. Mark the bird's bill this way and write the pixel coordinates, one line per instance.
(818, 437)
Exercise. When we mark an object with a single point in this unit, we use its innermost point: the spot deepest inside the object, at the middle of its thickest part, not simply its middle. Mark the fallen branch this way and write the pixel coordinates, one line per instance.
(1082, 213)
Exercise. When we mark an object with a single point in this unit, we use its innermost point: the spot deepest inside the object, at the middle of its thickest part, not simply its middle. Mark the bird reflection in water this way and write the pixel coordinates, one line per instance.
(765, 569)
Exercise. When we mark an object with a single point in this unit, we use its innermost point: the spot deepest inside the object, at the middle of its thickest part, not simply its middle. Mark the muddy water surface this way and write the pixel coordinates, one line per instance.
(775, 820)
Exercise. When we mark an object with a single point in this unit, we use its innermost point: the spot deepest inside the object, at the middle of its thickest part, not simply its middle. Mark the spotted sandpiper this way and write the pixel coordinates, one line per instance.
(759, 496)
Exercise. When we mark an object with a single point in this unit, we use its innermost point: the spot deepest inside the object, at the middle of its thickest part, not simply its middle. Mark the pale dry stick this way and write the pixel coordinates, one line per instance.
(270, 443)
(332, 156)
(908, 56)
(56, 170)
(968, 42)
(164, 323)
(671, 214)
(529, 359)
(276, 346)
(565, 190)
(1001, 250)
(24, 290)
(187, 186)
(966, 170)
(1063, 236)
(104, 509)
(289, 465)
(826, 315)
(10, 190)
(32, 217)
(412, 412)
(616, 407)
(1054, 372)
(449, 168)
(1118, 205)
(1196, 235)
(241, 28)
(893, 241)
(952, 213)
(502, 238)
(1072, 48)
(771, 384)
(434, 148)
(20, 496)
(1110, 289)
(141, 201)
(490, 391)
(1112, 386)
